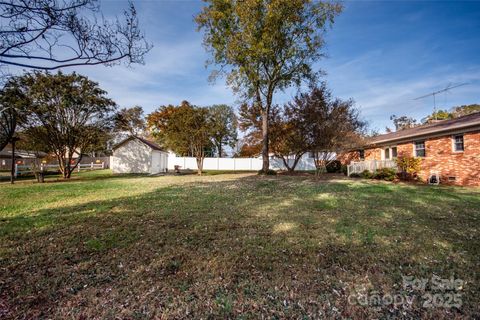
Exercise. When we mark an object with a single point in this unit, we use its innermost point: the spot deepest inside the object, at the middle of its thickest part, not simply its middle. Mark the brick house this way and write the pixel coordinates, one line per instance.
(448, 148)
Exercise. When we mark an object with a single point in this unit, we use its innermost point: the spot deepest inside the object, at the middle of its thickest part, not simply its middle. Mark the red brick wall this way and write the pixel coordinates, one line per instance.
(373, 154)
(440, 158)
(464, 166)
(347, 157)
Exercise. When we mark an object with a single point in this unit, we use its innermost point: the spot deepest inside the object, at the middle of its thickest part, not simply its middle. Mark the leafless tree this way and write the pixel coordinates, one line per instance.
(53, 34)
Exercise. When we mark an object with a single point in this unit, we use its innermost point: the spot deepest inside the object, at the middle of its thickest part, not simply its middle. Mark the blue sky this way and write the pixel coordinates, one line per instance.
(381, 54)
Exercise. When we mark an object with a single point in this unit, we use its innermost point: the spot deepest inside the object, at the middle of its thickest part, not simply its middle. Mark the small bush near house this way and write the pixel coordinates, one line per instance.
(334, 166)
(366, 174)
(355, 175)
(387, 174)
(344, 169)
(270, 172)
(408, 167)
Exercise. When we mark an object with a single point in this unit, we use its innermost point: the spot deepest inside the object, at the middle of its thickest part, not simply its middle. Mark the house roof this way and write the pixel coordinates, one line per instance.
(6, 153)
(441, 127)
(149, 143)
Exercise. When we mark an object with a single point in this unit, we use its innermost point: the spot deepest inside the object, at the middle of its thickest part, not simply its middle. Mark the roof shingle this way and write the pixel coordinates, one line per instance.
(445, 126)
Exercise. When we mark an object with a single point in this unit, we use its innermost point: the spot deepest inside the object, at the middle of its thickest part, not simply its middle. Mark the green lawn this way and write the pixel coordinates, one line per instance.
(233, 246)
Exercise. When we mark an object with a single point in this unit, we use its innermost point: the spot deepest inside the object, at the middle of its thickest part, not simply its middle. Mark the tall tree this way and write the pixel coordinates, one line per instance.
(290, 132)
(333, 125)
(465, 110)
(130, 120)
(264, 46)
(11, 101)
(52, 34)
(403, 122)
(67, 111)
(185, 129)
(250, 123)
(224, 127)
(438, 115)
(250, 147)
(453, 113)
(8, 123)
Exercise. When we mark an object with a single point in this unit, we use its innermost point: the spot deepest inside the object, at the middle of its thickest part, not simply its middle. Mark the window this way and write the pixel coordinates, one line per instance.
(390, 153)
(420, 149)
(458, 143)
(362, 154)
(394, 152)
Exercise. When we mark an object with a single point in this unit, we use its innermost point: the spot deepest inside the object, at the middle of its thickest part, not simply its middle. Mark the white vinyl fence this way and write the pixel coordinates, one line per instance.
(370, 165)
(236, 164)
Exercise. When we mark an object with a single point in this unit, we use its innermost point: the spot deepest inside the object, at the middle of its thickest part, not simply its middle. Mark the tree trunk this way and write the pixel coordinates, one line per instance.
(265, 156)
(199, 165)
(76, 165)
(12, 172)
(295, 161)
(61, 162)
(219, 147)
(285, 163)
(68, 171)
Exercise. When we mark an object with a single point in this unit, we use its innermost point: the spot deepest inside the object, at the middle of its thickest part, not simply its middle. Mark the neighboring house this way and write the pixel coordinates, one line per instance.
(22, 157)
(138, 155)
(448, 148)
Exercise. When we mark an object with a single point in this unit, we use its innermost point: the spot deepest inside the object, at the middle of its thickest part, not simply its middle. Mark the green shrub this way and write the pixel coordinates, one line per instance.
(334, 166)
(387, 174)
(354, 175)
(344, 169)
(408, 167)
(366, 174)
(270, 172)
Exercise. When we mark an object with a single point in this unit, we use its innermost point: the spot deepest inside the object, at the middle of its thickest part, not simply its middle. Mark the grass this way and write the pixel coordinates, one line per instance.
(232, 246)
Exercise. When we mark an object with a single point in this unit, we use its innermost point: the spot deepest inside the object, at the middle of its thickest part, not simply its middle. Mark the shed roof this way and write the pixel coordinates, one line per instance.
(149, 143)
(6, 153)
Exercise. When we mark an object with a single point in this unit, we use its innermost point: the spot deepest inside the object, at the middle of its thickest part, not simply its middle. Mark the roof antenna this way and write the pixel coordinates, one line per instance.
(447, 88)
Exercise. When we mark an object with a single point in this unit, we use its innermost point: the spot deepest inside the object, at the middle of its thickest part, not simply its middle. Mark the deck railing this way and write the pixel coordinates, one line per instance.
(370, 165)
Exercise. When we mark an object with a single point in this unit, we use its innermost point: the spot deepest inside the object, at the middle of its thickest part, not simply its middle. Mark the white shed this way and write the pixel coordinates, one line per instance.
(138, 155)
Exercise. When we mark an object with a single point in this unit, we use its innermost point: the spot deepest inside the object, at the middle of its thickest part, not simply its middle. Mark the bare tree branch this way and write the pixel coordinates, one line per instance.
(50, 34)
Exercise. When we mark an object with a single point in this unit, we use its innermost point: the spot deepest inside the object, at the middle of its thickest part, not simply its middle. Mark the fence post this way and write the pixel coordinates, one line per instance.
(16, 170)
(103, 165)
(78, 167)
(251, 165)
(91, 165)
(234, 166)
(348, 170)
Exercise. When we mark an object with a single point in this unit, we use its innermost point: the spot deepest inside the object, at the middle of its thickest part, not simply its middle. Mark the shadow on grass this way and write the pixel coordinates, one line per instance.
(274, 246)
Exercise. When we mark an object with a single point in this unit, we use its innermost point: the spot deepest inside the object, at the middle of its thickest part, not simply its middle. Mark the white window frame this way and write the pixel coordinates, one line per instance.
(390, 150)
(415, 148)
(454, 144)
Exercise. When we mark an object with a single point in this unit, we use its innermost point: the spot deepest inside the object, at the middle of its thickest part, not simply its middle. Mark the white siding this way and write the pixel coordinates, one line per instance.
(159, 162)
(132, 157)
